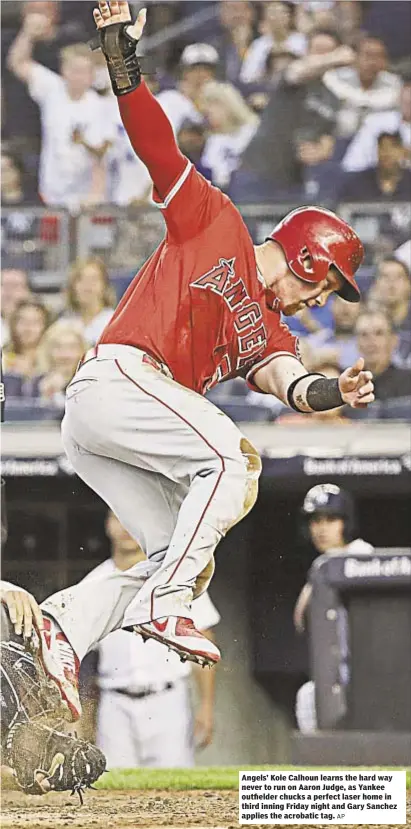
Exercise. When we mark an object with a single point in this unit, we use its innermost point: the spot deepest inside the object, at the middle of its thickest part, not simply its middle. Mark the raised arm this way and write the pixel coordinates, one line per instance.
(311, 67)
(19, 58)
(148, 128)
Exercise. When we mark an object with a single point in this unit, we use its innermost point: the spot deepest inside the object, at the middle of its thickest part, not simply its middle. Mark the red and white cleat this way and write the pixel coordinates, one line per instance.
(59, 666)
(180, 635)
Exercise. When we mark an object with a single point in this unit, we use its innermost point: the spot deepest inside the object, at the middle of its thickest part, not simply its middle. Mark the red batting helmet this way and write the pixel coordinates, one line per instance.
(327, 239)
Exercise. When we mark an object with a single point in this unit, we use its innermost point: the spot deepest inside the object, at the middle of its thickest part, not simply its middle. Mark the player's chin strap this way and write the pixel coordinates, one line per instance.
(124, 66)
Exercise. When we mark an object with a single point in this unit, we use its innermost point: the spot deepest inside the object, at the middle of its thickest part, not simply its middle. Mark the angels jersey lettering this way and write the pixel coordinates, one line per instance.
(197, 304)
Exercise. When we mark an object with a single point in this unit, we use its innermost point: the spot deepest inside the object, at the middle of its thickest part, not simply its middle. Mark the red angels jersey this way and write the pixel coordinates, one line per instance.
(198, 304)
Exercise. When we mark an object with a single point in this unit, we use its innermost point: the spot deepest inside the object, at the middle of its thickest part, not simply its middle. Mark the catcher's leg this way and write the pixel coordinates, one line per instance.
(40, 757)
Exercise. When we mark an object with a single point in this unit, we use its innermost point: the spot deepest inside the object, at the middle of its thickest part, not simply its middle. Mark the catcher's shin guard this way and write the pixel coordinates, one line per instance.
(25, 695)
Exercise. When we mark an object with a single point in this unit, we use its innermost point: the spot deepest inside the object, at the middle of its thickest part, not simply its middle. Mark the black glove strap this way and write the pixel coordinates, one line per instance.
(322, 394)
(119, 50)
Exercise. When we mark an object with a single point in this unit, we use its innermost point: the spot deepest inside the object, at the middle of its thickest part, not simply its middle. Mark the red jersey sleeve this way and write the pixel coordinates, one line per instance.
(189, 202)
(280, 342)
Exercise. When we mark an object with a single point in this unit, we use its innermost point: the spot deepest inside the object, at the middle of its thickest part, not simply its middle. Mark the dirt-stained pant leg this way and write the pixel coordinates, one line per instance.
(122, 409)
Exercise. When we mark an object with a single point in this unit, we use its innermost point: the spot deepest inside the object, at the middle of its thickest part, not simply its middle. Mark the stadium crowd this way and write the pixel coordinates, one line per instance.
(274, 102)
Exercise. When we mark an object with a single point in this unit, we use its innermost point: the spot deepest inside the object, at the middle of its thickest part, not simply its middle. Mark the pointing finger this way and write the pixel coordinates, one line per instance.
(357, 367)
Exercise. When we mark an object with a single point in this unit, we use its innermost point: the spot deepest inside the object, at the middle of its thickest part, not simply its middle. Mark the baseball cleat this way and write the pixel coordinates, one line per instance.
(59, 666)
(180, 636)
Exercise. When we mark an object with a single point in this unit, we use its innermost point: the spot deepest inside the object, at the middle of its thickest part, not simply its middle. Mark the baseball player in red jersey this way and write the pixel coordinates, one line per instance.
(205, 307)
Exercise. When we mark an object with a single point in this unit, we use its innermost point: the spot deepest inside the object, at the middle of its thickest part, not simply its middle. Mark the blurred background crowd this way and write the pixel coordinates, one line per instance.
(277, 103)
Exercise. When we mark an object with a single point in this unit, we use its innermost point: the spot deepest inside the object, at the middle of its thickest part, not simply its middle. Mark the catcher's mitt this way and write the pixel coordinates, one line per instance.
(45, 759)
(41, 757)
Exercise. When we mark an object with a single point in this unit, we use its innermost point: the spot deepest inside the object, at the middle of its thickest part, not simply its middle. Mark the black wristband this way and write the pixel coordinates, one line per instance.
(324, 394)
(119, 50)
(321, 395)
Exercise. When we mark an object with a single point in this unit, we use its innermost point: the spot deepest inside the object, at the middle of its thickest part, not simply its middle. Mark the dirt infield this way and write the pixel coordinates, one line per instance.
(126, 810)
(119, 810)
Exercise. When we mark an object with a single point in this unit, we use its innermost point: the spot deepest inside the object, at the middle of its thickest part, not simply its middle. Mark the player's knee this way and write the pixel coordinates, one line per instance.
(243, 473)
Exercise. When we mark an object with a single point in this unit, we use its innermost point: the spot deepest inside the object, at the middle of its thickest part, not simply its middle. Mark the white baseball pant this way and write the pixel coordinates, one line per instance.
(305, 710)
(154, 732)
(173, 468)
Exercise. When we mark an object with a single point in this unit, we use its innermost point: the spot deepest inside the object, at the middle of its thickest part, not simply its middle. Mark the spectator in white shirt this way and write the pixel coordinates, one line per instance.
(145, 713)
(90, 298)
(237, 32)
(278, 34)
(70, 175)
(364, 87)
(363, 150)
(128, 180)
(198, 65)
(232, 125)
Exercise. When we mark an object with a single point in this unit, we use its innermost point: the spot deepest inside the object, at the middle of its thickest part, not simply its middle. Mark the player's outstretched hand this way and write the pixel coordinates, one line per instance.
(117, 11)
(356, 386)
(23, 609)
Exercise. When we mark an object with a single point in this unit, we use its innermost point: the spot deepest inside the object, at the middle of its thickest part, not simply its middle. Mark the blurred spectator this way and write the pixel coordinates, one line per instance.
(72, 116)
(300, 102)
(320, 173)
(332, 417)
(145, 714)
(278, 60)
(232, 125)
(237, 19)
(191, 139)
(17, 188)
(22, 116)
(364, 87)
(90, 298)
(403, 253)
(28, 323)
(377, 342)
(278, 33)
(392, 290)
(15, 288)
(60, 350)
(388, 180)
(330, 14)
(363, 150)
(339, 343)
(390, 21)
(128, 180)
(198, 65)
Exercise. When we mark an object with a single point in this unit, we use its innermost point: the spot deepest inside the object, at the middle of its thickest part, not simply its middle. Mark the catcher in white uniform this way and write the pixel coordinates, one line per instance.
(145, 713)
